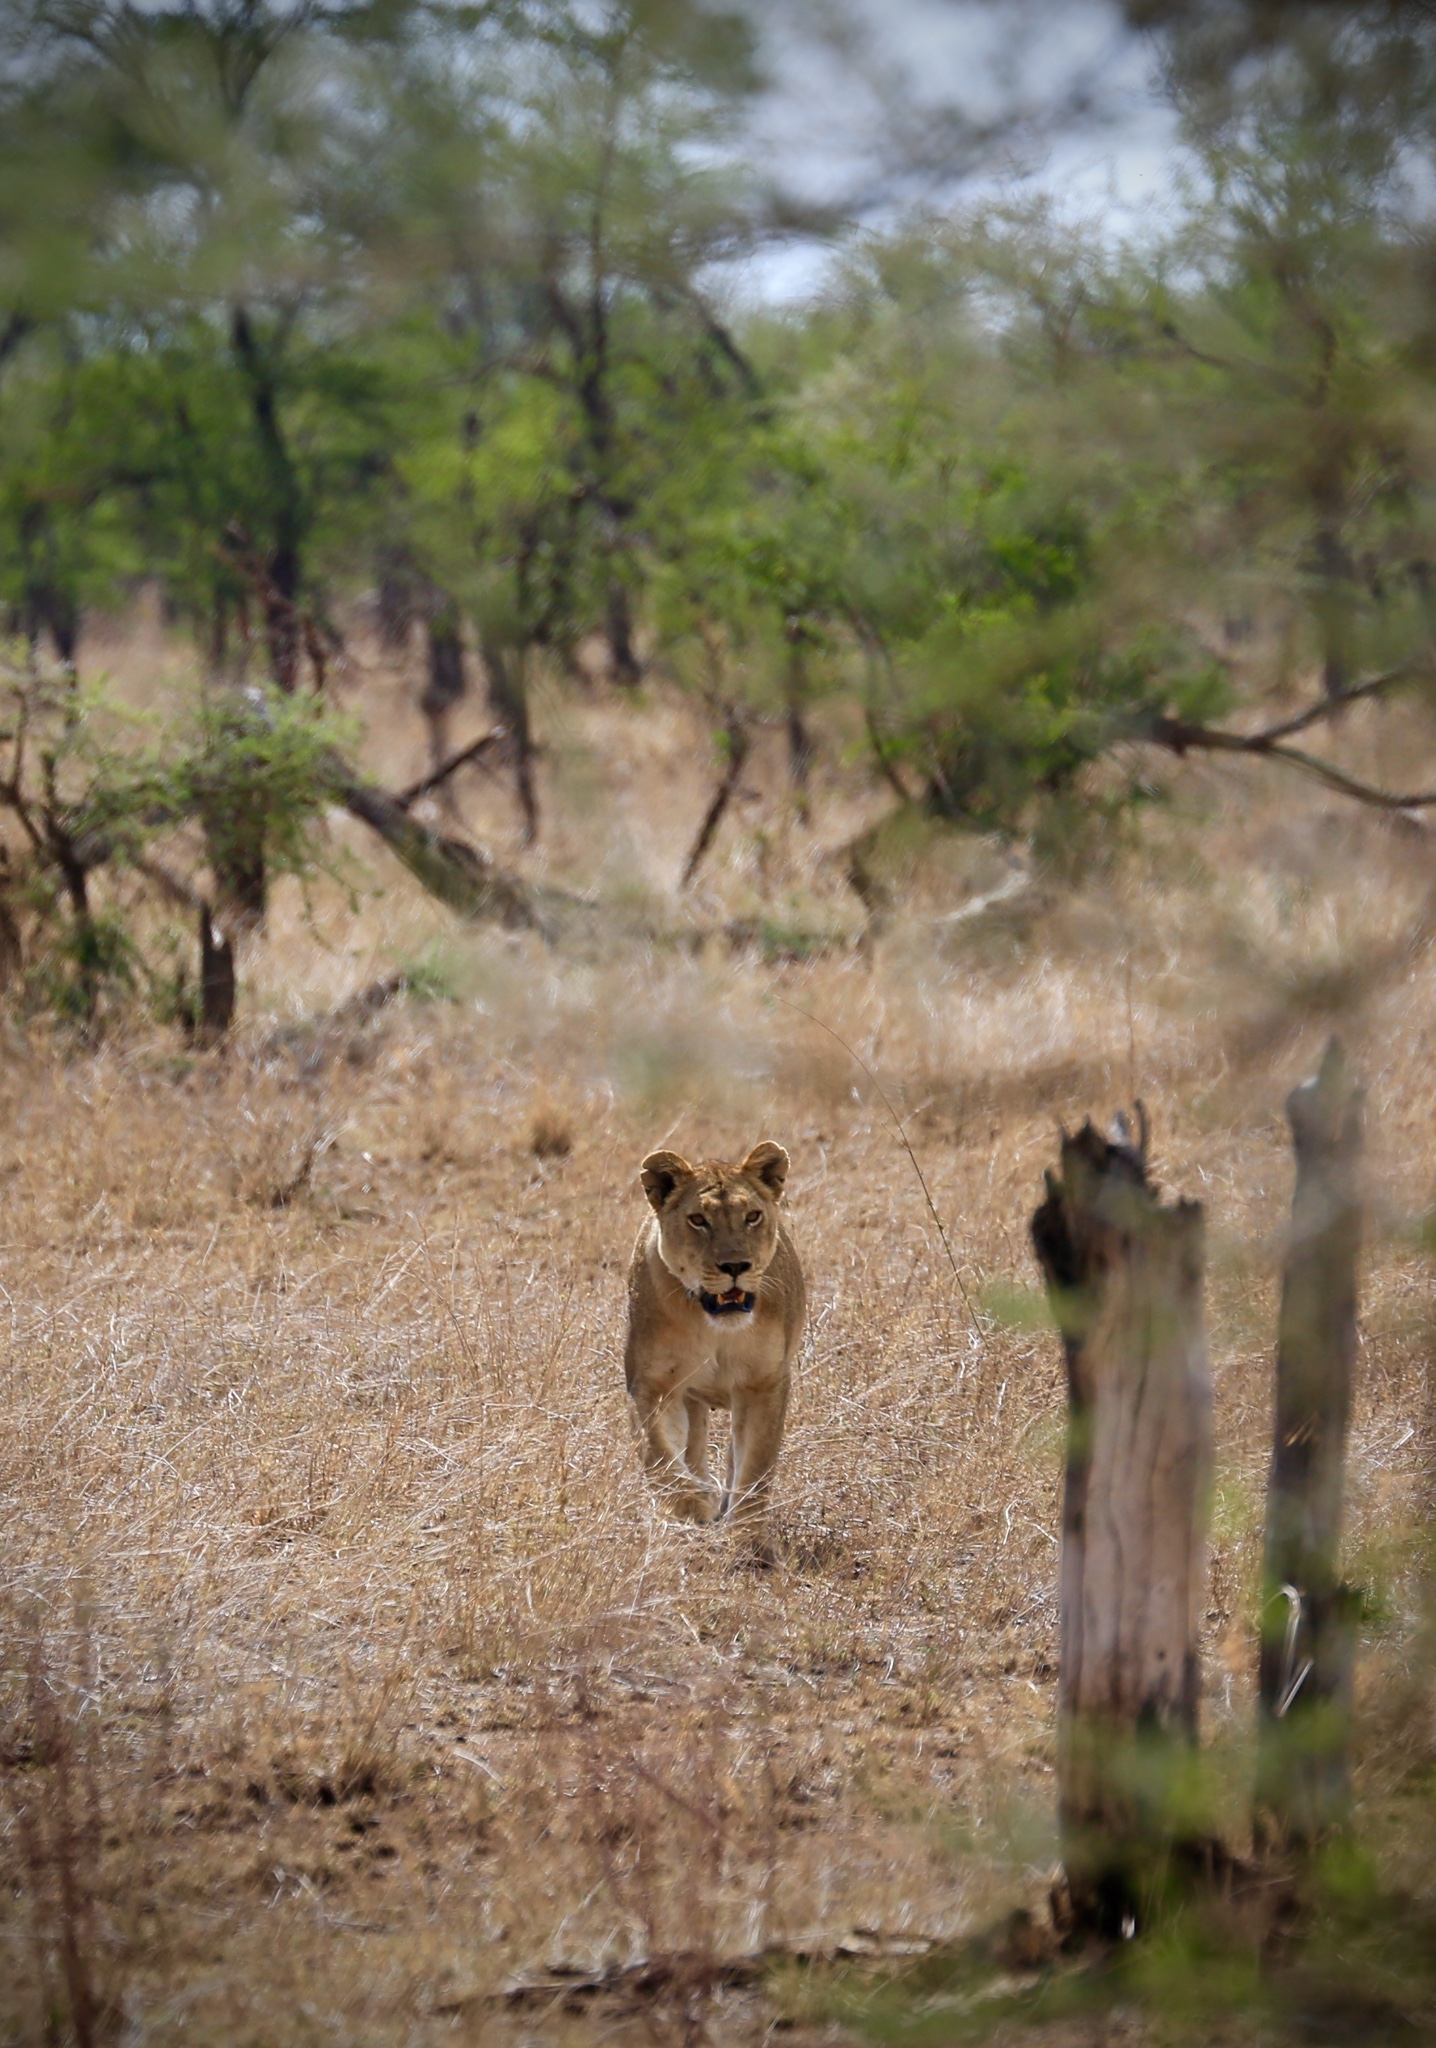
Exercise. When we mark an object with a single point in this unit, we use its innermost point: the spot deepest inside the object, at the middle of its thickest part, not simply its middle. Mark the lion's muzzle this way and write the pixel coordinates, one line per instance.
(735, 1301)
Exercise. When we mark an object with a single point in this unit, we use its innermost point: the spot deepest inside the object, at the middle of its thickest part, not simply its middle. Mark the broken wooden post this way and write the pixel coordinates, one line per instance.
(1124, 1275)
(1308, 1615)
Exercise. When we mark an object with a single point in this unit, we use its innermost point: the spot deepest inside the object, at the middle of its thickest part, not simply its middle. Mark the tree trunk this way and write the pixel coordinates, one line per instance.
(50, 609)
(12, 945)
(283, 564)
(624, 665)
(234, 847)
(85, 949)
(1309, 1617)
(446, 682)
(63, 619)
(1124, 1275)
(217, 986)
(217, 653)
(800, 743)
(281, 617)
(508, 701)
(395, 607)
(1335, 599)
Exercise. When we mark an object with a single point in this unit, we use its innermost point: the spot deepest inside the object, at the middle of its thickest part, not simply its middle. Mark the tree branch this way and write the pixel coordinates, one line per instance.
(428, 783)
(1168, 330)
(16, 327)
(1179, 737)
(170, 885)
(886, 766)
(1328, 707)
(739, 741)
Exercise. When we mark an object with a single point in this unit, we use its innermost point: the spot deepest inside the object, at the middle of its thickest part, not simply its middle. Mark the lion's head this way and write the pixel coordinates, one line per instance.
(718, 1224)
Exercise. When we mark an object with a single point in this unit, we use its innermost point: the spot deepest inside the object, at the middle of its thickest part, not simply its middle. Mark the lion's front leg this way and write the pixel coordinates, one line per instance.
(668, 1426)
(758, 1414)
(697, 1450)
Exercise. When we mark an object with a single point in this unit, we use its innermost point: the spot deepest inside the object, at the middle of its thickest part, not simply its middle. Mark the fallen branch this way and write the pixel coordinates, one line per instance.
(458, 874)
(317, 1038)
(685, 1969)
(174, 888)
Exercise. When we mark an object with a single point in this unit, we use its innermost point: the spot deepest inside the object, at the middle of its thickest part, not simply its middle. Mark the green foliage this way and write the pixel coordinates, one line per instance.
(434, 976)
(1350, 1956)
(283, 291)
(269, 755)
(90, 793)
(86, 965)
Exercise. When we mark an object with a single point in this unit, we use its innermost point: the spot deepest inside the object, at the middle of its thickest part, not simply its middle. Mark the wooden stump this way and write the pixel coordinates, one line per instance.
(1308, 1616)
(1124, 1274)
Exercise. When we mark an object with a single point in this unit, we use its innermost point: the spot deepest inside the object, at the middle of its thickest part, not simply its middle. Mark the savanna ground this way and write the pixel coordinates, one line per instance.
(354, 1690)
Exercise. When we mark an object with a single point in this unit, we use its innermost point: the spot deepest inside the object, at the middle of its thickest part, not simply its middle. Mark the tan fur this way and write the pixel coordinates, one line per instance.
(682, 1360)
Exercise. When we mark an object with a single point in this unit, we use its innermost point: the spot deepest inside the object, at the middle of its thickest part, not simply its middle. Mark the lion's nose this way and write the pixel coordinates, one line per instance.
(734, 1267)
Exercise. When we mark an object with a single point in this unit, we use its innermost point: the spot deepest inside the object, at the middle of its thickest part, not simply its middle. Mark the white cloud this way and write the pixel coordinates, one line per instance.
(879, 104)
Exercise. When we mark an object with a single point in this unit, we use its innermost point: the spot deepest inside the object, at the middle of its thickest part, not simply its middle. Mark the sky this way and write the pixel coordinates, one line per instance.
(879, 103)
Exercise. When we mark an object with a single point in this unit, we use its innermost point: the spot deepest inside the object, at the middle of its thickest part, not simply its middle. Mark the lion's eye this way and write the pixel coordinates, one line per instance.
(755, 1216)
(699, 1222)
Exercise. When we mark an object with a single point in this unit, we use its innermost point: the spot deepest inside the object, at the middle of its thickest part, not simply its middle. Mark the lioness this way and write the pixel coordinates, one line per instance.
(716, 1307)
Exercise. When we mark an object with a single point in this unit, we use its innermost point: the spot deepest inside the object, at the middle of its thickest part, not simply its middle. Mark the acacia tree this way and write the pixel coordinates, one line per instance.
(566, 368)
(202, 355)
(201, 350)
(622, 216)
(1296, 359)
(953, 531)
(1304, 341)
(208, 150)
(1129, 457)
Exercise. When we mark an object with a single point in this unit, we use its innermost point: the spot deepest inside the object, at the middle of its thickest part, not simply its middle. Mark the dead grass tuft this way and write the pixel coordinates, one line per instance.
(550, 1134)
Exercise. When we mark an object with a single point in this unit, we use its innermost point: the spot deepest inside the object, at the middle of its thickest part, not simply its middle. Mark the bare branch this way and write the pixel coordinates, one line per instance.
(1328, 707)
(1179, 737)
(738, 740)
(1167, 330)
(170, 885)
(886, 767)
(428, 783)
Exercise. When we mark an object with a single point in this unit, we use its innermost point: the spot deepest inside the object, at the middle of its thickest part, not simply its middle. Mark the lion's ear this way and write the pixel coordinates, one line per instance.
(768, 1164)
(661, 1173)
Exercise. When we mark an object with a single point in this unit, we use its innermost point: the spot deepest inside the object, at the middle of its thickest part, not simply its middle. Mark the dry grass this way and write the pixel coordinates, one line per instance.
(350, 1675)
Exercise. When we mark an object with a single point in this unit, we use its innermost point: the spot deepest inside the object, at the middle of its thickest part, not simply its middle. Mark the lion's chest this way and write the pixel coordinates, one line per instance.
(722, 1362)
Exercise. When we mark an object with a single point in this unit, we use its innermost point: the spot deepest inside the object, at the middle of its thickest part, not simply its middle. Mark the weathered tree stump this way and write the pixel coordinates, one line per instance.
(1124, 1274)
(1308, 1616)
